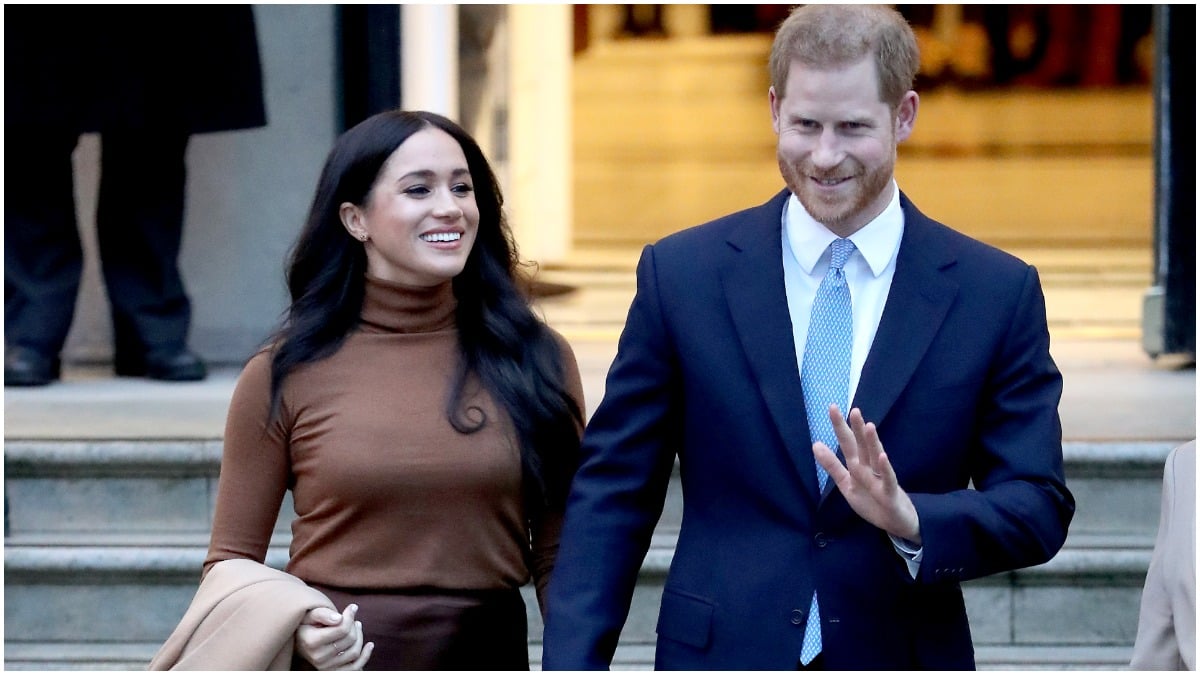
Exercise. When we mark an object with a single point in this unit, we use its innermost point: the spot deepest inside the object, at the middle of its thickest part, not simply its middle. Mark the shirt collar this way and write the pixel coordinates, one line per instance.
(877, 241)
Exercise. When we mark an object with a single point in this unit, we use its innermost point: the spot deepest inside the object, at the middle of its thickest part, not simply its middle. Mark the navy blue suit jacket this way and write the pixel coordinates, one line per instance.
(960, 383)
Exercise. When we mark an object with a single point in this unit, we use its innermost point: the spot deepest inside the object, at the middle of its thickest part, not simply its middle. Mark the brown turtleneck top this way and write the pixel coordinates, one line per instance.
(387, 494)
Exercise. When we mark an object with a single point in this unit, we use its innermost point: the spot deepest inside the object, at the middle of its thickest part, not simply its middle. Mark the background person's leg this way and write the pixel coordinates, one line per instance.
(139, 223)
(43, 258)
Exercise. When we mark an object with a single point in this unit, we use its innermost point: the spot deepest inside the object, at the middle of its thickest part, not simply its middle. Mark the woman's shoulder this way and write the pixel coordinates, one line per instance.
(573, 379)
(259, 361)
(564, 345)
(256, 373)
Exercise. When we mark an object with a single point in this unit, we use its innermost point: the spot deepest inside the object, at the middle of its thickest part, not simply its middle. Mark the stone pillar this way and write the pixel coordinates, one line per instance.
(1169, 307)
(429, 58)
(538, 190)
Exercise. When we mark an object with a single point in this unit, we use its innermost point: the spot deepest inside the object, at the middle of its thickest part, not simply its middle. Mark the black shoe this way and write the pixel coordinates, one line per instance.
(180, 366)
(25, 367)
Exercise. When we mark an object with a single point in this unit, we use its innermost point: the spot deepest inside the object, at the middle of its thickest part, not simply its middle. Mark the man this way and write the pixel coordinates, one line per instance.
(949, 467)
(146, 78)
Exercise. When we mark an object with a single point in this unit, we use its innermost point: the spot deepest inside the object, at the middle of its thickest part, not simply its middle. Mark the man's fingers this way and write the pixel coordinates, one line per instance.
(869, 448)
(829, 461)
(866, 440)
(845, 436)
(854, 444)
(855, 420)
(884, 469)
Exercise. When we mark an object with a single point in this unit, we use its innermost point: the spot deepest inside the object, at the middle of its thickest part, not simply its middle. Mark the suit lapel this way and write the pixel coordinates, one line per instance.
(752, 278)
(920, 296)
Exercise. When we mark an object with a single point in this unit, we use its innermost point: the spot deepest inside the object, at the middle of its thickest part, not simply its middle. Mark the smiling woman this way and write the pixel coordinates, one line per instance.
(420, 219)
(425, 420)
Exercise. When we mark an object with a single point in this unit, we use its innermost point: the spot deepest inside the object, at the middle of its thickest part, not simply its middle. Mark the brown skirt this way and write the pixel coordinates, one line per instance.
(435, 629)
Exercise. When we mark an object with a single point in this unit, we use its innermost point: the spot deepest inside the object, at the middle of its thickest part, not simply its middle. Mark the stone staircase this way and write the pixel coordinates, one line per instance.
(104, 540)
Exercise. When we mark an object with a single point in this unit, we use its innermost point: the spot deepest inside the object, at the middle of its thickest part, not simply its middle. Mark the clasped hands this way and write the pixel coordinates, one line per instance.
(332, 641)
(867, 480)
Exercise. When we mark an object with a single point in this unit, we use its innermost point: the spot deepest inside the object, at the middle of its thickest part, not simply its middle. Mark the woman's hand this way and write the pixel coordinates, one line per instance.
(332, 641)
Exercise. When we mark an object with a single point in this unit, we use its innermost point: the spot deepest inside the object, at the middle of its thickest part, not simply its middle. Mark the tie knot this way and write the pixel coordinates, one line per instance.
(842, 248)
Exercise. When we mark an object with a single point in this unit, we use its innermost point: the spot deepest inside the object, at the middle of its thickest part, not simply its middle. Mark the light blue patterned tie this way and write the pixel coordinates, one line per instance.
(825, 376)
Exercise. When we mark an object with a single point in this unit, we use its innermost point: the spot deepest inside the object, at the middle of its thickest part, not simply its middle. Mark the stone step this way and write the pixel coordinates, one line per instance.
(108, 487)
(641, 657)
(94, 656)
(119, 529)
(79, 656)
(169, 487)
(1080, 608)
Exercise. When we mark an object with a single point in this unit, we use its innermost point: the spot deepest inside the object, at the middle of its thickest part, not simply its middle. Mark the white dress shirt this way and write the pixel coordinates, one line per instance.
(869, 272)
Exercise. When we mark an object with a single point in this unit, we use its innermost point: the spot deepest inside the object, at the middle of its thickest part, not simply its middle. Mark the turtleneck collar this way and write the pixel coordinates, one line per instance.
(390, 307)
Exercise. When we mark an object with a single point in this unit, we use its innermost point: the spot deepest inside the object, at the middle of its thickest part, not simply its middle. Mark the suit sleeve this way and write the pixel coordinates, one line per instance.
(1018, 513)
(618, 493)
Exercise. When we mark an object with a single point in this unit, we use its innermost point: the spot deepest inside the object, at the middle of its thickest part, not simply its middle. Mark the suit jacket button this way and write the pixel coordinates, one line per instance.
(820, 539)
(797, 617)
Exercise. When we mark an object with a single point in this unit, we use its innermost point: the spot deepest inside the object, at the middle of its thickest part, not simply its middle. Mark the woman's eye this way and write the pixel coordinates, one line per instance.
(417, 191)
(462, 189)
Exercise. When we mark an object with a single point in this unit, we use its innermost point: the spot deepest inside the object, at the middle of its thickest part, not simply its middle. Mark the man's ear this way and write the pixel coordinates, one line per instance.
(352, 219)
(774, 101)
(906, 115)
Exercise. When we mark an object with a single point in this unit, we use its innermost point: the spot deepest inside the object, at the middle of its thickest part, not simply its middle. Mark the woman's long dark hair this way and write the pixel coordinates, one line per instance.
(501, 341)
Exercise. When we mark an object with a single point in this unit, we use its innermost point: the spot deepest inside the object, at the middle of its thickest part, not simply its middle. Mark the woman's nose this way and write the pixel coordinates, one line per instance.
(447, 205)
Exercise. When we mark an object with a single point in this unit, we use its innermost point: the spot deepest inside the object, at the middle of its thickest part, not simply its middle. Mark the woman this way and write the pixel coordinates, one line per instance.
(1166, 629)
(426, 422)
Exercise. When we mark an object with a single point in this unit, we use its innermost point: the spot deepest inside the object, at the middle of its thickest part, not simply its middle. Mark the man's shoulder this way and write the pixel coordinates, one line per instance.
(926, 233)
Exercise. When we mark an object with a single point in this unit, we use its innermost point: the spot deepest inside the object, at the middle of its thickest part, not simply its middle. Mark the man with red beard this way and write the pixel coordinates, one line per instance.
(861, 401)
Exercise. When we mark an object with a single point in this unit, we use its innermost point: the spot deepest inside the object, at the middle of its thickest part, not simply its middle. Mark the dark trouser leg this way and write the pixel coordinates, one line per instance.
(43, 259)
(139, 226)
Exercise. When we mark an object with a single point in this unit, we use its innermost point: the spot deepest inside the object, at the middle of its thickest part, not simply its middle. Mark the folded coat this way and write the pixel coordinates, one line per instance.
(244, 616)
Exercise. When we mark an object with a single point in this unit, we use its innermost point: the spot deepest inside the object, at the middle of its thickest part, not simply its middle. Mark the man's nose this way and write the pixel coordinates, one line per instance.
(828, 152)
